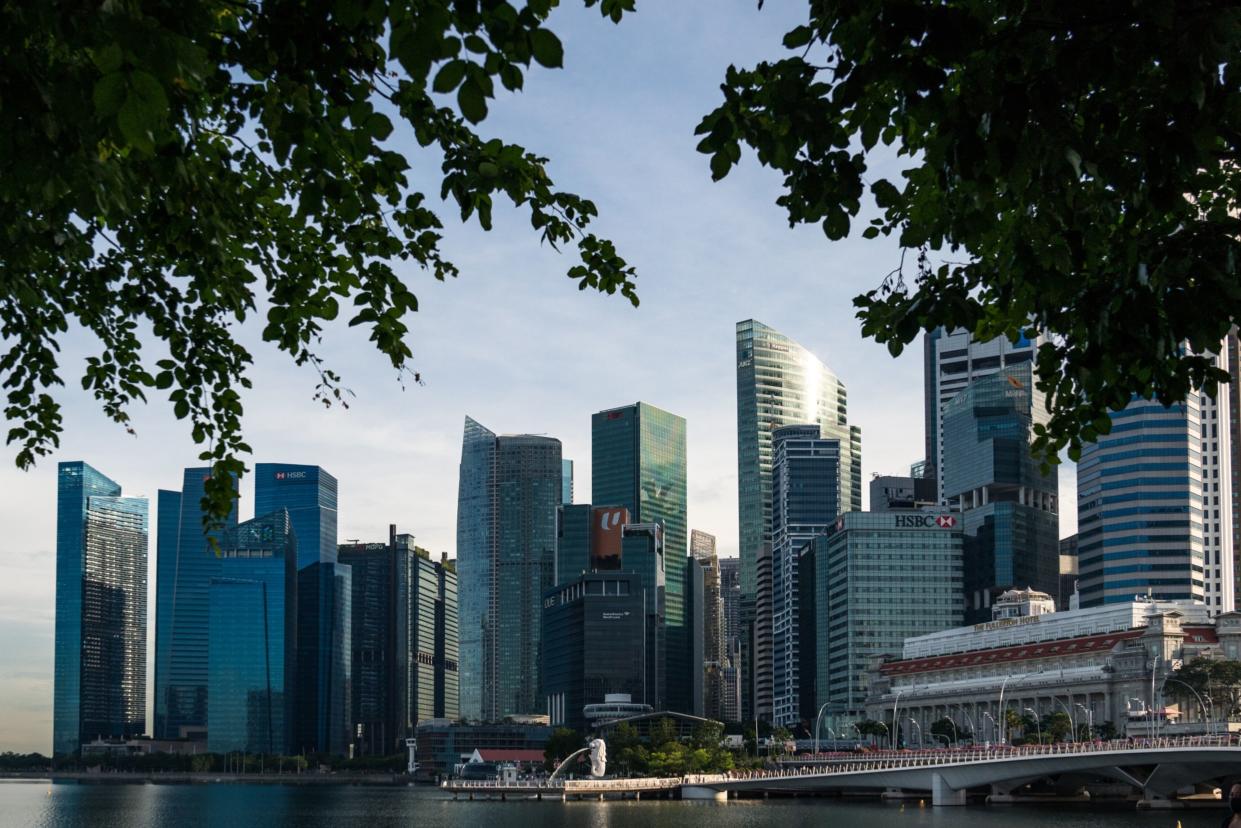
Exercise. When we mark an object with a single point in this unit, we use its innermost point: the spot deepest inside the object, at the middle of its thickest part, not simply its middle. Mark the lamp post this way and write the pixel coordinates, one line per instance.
(886, 732)
(1037, 727)
(914, 722)
(970, 721)
(994, 727)
(1003, 684)
(1072, 721)
(1089, 719)
(817, 719)
(1201, 704)
(895, 727)
(956, 737)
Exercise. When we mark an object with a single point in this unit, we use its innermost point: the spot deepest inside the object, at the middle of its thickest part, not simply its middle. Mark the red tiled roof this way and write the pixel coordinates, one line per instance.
(510, 755)
(1020, 652)
(1201, 635)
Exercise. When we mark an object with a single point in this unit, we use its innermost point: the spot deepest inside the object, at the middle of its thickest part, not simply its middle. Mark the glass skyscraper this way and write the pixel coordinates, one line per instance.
(404, 637)
(1140, 507)
(1008, 503)
(805, 489)
(878, 578)
(309, 495)
(566, 477)
(101, 609)
(252, 649)
(509, 490)
(638, 461)
(779, 383)
(184, 567)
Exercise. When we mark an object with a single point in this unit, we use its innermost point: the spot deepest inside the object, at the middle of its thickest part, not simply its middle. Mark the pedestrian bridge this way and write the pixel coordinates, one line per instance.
(1159, 768)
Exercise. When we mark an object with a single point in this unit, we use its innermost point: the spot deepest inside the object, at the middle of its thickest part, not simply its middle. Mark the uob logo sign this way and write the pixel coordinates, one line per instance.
(925, 521)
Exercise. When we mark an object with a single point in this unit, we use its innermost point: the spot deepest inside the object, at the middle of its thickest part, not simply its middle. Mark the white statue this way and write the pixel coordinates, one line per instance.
(598, 757)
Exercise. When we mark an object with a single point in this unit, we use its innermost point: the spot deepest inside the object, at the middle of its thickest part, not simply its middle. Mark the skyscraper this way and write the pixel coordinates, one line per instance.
(778, 383)
(1232, 348)
(566, 478)
(252, 639)
(509, 489)
(184, 567)
(638, 461)
(951, 361)
(309, 494)
(1155, 504)
(101, 609)
(404, 638)
(1008, 502)
(805, 488)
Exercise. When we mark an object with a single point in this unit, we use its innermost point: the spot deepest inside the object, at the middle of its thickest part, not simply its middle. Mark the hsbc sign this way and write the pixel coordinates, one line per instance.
(925, 522)
(293, 475)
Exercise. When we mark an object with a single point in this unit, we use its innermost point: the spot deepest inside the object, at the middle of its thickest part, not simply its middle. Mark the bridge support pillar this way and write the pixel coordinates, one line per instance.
(699, 792)
(944, 794)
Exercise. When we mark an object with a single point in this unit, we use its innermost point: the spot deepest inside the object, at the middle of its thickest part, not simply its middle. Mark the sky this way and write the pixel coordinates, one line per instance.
(512, 342)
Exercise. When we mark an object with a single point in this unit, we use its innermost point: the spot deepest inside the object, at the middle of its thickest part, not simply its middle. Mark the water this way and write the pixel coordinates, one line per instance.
(70, 805)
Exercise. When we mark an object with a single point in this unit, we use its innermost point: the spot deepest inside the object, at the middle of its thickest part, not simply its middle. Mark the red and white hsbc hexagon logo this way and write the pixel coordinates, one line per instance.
(293, 475)
(925, 521)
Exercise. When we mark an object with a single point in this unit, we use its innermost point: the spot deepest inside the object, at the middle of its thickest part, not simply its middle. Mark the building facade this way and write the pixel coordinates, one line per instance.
(509, 491)
(879, 578)
(1141, 509)
(252, 639)
(566, 481)
(1007, 500)
(953, 360)
(594, 641)
(1217, 497)
(1232, 348)
(1095, 665)
(805, 495)
(779, 383)
(100, 651)
(184, 567)
(889, 493)
(404, 640)
(714, 655)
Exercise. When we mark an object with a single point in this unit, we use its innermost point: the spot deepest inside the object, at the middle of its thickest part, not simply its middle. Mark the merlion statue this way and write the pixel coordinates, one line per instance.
(598, 757)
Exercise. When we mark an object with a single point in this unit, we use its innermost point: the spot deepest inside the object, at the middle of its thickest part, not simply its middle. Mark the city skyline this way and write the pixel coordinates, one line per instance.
(709, 255)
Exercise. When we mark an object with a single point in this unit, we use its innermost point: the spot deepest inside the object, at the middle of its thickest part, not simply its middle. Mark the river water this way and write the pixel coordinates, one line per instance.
(71, 805)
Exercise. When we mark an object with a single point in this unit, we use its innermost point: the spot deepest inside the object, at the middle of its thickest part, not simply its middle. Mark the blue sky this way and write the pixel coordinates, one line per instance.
(512, 342)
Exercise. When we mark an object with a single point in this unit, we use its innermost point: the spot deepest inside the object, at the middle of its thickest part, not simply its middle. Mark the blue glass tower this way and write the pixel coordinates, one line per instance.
(252, 652)
(101, 607)
(510, 488)
(309, 494)
(184, 567)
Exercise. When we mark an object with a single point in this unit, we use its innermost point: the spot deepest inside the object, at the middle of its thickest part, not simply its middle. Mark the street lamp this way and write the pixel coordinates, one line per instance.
(1142, 702)
(994, 727)
(817, 719)
(1201, 704)
(886, 732)
(1089, 718)
(1038, 727)
(914, 722)
(895, 727)
(956, 737)
(1072, 720)
(970, 721)
(1003, 684)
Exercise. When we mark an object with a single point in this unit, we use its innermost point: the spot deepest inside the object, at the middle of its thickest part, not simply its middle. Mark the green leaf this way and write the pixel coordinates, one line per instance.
(449, 76)
(136, 124)
(108, 59)
(379, 126)
(109, 94)
(546, 48)
(470, 99)
(798, 37)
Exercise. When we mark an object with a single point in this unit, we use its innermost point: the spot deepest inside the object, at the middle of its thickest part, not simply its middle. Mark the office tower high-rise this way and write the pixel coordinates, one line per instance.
(184, 567)
(509, 490)
(1008, 502)
(951, 361)
(779, 383)
(404, 637)
(566, 481)
(879, 578)
(1163, 470)
(638, 461)
(588, 539)
(730, 596)
(805, 492)
(101, 611)
(714, 658)
(594, 641)
(252, 639)
(1232, 348)
(1217, 495)
(891, 492)
(309, 494)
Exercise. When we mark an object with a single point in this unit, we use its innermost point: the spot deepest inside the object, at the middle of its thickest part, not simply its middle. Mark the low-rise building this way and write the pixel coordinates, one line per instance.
(1097, 665)
(443, 744)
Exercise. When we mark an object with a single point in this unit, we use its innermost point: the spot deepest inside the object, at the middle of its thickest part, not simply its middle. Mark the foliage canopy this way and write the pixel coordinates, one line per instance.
(172, 168)
(1071, 168)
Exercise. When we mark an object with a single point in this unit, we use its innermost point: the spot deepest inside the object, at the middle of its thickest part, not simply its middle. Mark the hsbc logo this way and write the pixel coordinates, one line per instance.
(925, 521)
(294, 475)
